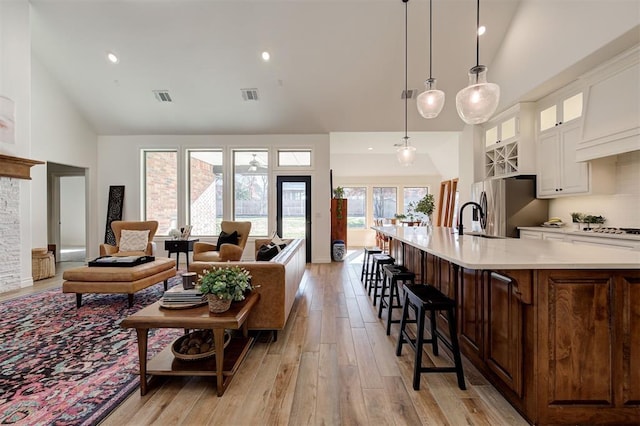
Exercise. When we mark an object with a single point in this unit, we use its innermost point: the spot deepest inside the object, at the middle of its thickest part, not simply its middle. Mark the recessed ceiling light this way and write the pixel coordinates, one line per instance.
(370, 148)
(112, 57)
(265, 56)
(481, 30)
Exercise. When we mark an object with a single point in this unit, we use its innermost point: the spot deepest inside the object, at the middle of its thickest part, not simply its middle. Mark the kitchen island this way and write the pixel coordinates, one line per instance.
(554, 326)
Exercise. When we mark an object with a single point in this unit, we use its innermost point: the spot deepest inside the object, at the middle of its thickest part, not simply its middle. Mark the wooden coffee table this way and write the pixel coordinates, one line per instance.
(165, 364)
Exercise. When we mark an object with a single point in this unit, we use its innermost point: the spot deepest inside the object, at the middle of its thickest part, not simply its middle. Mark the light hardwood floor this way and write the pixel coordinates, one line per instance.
(332, 365)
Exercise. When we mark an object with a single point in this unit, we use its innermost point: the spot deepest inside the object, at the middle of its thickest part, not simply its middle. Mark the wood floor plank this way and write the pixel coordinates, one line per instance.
(327, 410)
(240, 388)
(303, 409)
(355, 318)
(254, 406)
(383, 350)
(378, 407)
(401, 406)
(328, 329)
(281, 397)
(312, 335)
(369, 375)
(353, 410)
(366, 309)
(345, 347)
(498, 405)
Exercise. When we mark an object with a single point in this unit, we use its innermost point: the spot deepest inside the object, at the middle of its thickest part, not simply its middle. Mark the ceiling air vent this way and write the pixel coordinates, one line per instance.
(162, 95)
(249, 94)
(408, 94)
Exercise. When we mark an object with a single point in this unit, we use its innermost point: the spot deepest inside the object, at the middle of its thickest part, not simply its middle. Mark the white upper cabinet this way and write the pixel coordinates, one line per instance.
(559, 132)
(509, 142)
(562, 111)
(559, 173)
(612, 108)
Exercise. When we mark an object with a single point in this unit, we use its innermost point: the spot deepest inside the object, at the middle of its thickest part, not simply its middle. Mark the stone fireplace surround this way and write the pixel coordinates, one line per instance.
(11, 169)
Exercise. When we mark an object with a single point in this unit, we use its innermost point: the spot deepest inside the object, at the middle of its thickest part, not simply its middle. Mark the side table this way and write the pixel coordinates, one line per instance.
(165, 364)
(179, 246)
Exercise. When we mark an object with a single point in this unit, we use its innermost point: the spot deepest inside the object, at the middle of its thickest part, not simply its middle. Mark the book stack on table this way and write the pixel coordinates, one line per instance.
(177, 297)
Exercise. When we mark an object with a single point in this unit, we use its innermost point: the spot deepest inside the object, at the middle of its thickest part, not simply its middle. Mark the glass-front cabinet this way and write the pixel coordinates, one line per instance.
(562, 111)
(509, 144)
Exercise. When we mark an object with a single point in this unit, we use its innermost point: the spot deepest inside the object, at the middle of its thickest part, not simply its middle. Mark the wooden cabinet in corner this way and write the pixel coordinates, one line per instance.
(589, 347)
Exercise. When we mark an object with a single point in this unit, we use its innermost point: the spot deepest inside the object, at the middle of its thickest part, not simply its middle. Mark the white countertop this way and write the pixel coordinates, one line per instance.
(570, 230)
(511, 253)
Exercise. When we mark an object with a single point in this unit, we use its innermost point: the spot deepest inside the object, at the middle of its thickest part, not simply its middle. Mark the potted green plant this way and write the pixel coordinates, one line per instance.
(577, 217)
(425, 206)
(400, 216)
(223, 286)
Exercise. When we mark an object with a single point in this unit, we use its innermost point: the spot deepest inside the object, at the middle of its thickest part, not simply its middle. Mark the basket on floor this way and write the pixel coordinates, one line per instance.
(43, 264)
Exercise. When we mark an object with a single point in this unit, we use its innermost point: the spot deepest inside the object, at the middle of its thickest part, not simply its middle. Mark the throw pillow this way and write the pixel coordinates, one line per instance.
(277, 240)
(225, 238)
(133, 240)
(269, 251)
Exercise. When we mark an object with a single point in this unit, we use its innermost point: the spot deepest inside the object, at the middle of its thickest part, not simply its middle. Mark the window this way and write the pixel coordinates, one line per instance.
(205, 191)
(572, 108)
(294, 158)
(160, 188)
(385, 202)
(413, 195)
(356, 206)
(251, 189)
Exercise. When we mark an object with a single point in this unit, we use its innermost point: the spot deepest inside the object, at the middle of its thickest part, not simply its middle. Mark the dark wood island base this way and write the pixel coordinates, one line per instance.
(562, 345)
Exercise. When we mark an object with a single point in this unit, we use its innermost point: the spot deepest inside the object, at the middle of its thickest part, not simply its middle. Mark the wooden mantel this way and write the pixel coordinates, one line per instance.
(16, 167)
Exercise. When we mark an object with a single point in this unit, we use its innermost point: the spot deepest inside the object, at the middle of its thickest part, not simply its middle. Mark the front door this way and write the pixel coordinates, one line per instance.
(294, 209)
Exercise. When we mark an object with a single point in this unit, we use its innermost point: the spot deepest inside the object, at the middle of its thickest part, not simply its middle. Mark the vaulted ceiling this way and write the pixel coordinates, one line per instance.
(336, 66)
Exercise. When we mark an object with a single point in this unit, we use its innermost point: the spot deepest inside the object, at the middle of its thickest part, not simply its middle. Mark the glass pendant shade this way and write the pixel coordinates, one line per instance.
(431, 101)
(477, 102)
(406, 154)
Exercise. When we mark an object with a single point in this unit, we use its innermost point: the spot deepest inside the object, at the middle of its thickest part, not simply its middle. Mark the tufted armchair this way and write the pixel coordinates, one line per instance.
(118, 226)
(207, 252)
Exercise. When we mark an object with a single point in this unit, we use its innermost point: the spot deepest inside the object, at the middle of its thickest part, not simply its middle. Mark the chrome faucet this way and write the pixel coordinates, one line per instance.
(475, 206)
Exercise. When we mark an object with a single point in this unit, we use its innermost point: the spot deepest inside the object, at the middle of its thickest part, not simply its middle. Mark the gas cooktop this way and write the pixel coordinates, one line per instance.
(609, 230)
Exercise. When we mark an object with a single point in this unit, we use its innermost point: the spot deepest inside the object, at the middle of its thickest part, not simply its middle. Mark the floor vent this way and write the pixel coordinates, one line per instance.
(162, 96)
(249, 94)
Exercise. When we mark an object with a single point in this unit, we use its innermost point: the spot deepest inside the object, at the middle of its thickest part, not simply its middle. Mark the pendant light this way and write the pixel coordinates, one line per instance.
(406, 154)
(431, 101)
(477, 102)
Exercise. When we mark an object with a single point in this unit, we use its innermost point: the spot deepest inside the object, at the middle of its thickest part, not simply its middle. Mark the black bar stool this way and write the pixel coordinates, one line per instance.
(428, 298)
(366, 263)
(376, 277)
(392, 275)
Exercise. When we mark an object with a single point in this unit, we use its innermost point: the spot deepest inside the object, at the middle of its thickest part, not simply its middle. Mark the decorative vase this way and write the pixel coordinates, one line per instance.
(217, 305)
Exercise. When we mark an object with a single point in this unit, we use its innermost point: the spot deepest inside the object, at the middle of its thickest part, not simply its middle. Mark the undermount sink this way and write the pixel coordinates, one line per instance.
(478, 234)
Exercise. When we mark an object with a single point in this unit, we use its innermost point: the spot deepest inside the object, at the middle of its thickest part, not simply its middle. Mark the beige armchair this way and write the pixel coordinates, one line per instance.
(118, 226)
(206, 252)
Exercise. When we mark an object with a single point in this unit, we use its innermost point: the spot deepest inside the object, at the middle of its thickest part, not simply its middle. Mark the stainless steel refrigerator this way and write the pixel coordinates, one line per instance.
(508, 203)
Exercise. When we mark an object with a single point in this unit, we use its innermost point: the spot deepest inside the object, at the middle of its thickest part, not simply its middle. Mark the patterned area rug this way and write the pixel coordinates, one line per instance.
(60, 365)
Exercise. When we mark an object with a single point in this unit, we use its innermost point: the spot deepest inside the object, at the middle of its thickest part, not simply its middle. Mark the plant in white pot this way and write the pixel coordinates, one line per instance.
(426, 206)
(224, 285)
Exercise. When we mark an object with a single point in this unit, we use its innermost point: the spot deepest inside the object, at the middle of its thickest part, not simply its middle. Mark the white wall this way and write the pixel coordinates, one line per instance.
(547, 37)
(60, 134)
(119, 164)
(72, 215)
(15, 51)
(621, 210)
(436, 154)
